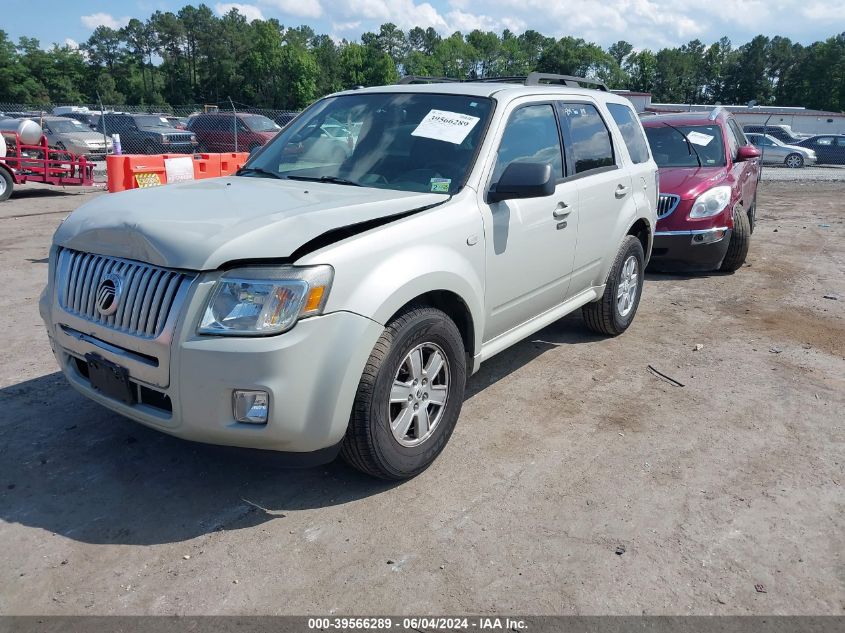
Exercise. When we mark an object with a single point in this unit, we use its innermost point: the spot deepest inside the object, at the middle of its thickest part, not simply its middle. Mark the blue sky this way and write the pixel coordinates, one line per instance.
(645, 23)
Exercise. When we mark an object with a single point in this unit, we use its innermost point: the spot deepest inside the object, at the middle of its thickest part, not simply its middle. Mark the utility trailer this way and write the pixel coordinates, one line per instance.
(40, 163)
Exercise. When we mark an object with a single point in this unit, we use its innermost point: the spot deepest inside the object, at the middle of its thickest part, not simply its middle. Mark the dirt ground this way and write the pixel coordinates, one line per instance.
(568, 448)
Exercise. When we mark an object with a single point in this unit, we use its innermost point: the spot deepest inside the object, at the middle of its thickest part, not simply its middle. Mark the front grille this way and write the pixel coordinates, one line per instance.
(179, 138)
(147, 297)
(666, 203)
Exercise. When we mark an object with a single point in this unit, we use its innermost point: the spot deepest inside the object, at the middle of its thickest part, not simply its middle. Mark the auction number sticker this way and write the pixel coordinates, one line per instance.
(441, 125)
(699, 139)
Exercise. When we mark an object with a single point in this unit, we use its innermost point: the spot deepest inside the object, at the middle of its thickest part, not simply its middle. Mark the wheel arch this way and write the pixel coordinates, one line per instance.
(642, 230)
(456, 309)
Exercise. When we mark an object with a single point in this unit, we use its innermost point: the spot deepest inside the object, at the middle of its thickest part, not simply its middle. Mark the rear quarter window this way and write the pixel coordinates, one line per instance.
(631, 130)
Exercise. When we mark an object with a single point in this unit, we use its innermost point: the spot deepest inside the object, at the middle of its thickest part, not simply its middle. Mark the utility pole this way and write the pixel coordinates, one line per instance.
(103, 122)
(234, 123)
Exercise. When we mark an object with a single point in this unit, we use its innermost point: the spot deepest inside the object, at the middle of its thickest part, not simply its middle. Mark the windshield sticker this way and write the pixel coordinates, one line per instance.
(451, 127)
(440, 185)
(162, 119)
(699, 139)
(178, 169)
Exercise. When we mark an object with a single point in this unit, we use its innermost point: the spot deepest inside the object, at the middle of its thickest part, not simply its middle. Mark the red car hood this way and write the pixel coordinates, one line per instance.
(690, 182)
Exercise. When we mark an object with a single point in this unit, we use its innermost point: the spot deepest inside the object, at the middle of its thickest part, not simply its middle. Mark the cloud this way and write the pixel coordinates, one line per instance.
(298, 8)
(104, 19)
(346, 27)
(249, 11)
(70, 43)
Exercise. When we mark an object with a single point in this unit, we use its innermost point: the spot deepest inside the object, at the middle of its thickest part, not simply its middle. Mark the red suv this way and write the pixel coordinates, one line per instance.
(708, 191)
(215, 131)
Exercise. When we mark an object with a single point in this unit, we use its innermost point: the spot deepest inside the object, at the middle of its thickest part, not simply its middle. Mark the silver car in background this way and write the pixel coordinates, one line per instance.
(73, 136)
(777, 152)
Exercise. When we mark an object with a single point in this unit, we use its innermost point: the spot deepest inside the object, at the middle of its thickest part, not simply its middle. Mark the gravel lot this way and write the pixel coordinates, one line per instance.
(568, 449)
(829, 173)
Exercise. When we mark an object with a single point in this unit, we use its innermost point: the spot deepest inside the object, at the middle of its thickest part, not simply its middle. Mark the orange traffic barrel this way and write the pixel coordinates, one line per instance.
(116, 172)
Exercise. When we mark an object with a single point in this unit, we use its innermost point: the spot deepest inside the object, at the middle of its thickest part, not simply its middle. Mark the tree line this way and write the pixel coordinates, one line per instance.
(194, 56)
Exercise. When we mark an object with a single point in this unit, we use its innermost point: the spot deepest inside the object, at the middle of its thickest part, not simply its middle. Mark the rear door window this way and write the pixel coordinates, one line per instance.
(632, 131)
(587, 135)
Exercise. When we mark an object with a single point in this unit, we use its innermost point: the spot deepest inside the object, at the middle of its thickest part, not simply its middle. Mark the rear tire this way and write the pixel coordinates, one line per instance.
(739, 244)
(6, 185)
(794, 161)
(375, 441)
(612, 314)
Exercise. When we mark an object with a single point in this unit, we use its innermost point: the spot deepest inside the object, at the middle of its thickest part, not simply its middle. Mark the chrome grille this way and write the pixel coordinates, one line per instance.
(149, 293)
(666, 203)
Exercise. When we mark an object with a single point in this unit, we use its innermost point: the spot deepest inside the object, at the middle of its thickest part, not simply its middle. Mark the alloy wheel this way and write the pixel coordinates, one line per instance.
(626, 294)
(418, 395)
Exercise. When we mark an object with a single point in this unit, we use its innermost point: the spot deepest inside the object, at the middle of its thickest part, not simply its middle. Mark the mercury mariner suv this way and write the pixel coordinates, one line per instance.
(323, 301)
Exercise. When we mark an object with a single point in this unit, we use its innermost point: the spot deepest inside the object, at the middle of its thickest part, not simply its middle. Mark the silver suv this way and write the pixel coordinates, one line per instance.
(336, 293)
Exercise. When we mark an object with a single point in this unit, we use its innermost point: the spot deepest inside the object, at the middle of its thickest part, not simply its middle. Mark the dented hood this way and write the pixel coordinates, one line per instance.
(201, 225)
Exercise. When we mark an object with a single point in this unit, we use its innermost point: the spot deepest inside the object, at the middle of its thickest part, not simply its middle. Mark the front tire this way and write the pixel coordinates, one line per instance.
(409, 397)
(613, 313)
(739, 244)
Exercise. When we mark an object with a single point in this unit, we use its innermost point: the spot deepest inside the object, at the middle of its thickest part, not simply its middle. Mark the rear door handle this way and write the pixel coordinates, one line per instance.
(622, 191)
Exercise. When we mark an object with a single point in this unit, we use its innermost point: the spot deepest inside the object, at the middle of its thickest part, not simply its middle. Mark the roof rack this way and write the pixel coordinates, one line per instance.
(532, 79)
(715, 113)
(536, 79)
(419, 79)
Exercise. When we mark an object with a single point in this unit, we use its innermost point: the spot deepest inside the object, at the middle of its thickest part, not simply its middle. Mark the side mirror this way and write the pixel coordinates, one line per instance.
(523, 180)
(747, 152)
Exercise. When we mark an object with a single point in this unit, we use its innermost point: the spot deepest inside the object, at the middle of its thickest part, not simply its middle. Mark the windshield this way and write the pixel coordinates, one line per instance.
(670, 149)
(152, 121)
(410, 142)
(259, 123)
(67, 125)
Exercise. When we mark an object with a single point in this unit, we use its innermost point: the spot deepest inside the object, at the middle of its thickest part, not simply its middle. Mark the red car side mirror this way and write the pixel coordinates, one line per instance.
(747, 152)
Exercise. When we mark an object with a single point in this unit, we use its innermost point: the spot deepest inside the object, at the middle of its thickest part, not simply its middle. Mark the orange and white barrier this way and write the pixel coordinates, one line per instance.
(134, 171)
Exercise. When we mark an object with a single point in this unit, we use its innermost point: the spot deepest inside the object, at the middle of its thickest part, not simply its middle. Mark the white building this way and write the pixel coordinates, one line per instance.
(801, 120)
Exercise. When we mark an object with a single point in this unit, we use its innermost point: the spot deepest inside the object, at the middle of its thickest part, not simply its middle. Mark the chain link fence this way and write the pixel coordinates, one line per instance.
(200, 128)
(90, 130)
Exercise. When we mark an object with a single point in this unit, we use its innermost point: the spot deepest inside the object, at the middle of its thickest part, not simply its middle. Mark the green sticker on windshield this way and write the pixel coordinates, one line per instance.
(440, 185)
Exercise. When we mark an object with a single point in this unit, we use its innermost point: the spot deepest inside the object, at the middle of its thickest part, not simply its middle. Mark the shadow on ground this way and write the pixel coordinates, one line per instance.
(73, 468)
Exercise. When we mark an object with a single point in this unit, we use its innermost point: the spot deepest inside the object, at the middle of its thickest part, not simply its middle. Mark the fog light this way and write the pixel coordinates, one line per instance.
(709, 237)
(251, 406)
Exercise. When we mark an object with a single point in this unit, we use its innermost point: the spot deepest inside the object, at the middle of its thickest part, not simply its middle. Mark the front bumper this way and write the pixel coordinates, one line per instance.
(311, 373)
(695, 250)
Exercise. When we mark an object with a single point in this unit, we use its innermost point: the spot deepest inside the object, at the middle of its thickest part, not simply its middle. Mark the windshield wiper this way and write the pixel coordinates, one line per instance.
(333, 179)
(689, 145)
(243, 171)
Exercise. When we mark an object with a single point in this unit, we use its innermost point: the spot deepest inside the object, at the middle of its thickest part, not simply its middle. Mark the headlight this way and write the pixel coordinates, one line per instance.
(711, 202)
(264, 301)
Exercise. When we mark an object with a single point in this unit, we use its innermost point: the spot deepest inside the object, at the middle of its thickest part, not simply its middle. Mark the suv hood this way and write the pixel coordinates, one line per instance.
(690, 182)
(201, 225)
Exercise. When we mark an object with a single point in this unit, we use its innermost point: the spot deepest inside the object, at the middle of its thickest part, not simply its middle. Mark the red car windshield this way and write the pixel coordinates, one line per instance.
(671, 149)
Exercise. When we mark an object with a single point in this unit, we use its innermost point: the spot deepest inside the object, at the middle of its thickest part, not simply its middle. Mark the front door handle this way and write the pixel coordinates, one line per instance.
(622, 191)
(561, 211)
